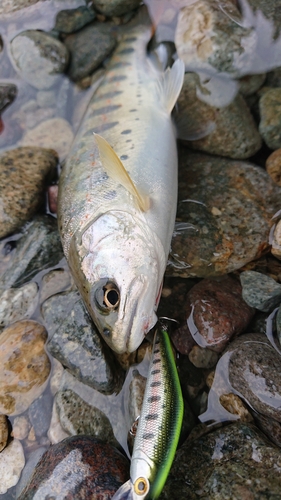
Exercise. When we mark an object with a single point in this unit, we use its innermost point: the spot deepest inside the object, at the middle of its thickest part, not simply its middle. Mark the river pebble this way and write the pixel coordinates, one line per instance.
(4, 432)
(233, 132)
(29, 468)
(40, 413)
(53, 282)
(270, 112)
(248, 85)
(37, 249)
(39, 58)
(273, 166)
(78, 417)
(56, 433)
(55, 133)
(113, 8)
(76, 343)
(223, 217)
(260, 291)
(21, 427)
(24, 366)
(18, 303)
(70, 20)
(212, 312)
(78, 467)
(9, 6)
(88, 48)
(23, 173)
(202, 357)
(11, 464)
(8, 93)
(203, 466)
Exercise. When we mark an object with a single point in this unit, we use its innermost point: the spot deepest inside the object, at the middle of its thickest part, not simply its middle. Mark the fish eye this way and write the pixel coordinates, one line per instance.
(108, 297)
(141, 486)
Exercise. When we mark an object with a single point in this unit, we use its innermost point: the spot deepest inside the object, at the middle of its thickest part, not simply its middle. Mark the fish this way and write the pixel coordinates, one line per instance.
(118, 192)
(159, 425)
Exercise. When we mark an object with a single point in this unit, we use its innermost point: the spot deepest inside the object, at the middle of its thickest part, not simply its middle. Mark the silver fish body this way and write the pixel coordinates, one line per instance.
(117, 251)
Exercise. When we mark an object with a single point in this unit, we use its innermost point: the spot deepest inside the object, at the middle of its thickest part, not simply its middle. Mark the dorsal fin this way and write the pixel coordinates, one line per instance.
(169, 85)
(115, 169)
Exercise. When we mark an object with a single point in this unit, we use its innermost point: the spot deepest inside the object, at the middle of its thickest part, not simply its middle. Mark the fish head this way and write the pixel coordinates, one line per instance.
(122, 267)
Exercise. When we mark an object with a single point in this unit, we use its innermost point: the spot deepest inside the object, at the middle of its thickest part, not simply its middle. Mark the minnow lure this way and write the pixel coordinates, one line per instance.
(159, 425)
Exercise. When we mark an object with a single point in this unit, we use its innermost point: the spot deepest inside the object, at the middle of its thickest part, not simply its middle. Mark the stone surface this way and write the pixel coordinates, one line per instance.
(202, 357)
(260, 291)
(273, 166)
(8, 92)
(224, 215)
(39, 58)
(21, 427)
(29, 468)
(270, 112)
(70, 20)
(115, 7)
(11, 464)
(18, 303)
(276, 241)
(249, 84)
(3, 432)
(37, 249)
(233, 404)
(216, 312)
(234, 462)
(54, 282)
(9, 6)
(78, 467)
(76, 343)
(40, 413)
(24, 367)
(233, 132)
(78, 417)
(23, 174)
(88, 48)
(55, 133)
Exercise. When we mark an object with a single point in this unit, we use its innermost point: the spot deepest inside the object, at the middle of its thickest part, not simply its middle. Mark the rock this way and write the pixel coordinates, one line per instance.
(56, 433)
(88, 48)
(273, 166)
(11, 464)
(233, 132)
(40, 413)
(78, 417)
(216, 312)
(8, 92)
(183, 340)
(113, 8)
(249, 84)
(206, 464)
(46, 98)
(24, 366)
(4, 432)
(260, 291)
(270, 427)
(192, 379)
(278, 324)
(30, 114)
(54, 282)
(55, 133)
(29, 468)
(234, 405)
(18, 303)
(53, 198)
(10, 133)
(136, 393)
(78, 467)
(224, 215)
(39, 58)
(269, 11)
(56, 375)
(202, 357)
(276, 241)
(9, 6)
(21, 427)
(76, 343)
(70, 20)
(23, 173)
(270, 112)
(38, 248)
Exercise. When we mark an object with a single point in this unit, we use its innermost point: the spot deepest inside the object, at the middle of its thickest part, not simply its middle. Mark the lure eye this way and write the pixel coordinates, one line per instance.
(141, 486)
(107, 297)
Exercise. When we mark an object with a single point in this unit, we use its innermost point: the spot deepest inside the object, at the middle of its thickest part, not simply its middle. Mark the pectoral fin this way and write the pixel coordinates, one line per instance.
(125, 492)
(169, 85)
(115, 169)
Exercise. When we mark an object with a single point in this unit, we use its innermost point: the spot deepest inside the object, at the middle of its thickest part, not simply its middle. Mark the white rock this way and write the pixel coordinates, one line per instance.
(11, 464)
(21, 427)
(18, 303)
(56, 432)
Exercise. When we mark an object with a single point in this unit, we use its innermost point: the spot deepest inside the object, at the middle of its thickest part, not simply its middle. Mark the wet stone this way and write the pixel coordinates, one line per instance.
(260, 291)
(233, 404)
(113, 8)
(233, 132)
(278, 324)
(76, 343)
(270, 427)
(216, 312)
(9, 6)
(276, 241)
(273, 166)
(30, 465)
(8, 92)
(3, 432)
(18, 303)
(78, 417)
(88, 48)
(23, 174)
(53, 282)
(249, 84)
(78, 467)
(238, 451)
(39, 58)
(38, 248)
(270, 112)
(224, 215)
(40, 413)
(24, 366)
(21, 427)
(11, 464)
(70, 20)
(202, 357)
(55, 133)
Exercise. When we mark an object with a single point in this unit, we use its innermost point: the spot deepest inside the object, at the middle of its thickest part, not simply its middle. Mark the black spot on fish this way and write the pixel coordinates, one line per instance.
(127, 131)
(118, 78)
(154, 372)
(120, 64)
(124, 157)
(130, 39)
(129, 140)
(155, 384)
(129, 50)
(151, 416)
(155, 361)
(156, 351)
(101, 128)
(133, 110)
(105, 110)
(148, 435)
(153, 399)
(110, 95)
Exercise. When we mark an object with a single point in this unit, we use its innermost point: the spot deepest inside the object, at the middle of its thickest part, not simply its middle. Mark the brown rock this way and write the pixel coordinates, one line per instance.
(24, 366)
(3, 432)
(273, 166)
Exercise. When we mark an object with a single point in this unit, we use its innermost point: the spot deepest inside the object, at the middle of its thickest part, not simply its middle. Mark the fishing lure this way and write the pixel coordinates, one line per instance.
(159, 425)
